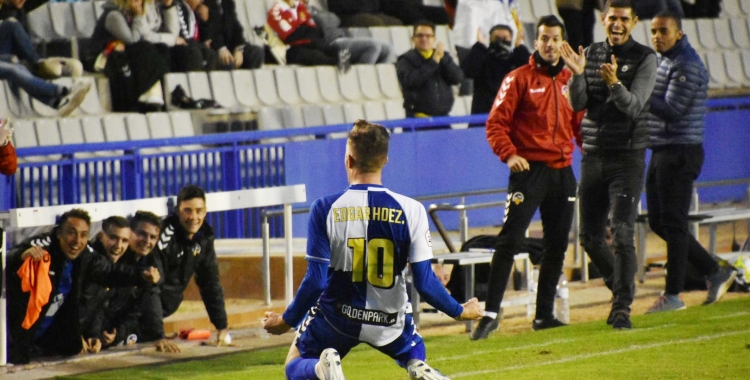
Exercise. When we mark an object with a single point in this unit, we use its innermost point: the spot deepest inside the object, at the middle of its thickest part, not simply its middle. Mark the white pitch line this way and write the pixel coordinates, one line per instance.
(650, 328)
(740, 314)
(603, 353)
(475, 353)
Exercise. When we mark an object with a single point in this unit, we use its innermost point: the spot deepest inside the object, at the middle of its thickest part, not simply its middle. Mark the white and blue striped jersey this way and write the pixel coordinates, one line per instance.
(367, 234)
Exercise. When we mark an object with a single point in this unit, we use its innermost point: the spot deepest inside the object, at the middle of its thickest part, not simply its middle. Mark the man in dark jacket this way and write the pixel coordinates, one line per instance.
(426, 74)
(676, 123)
(186, 247)
(111, 242)
(53, 327)
(613, 81)
(488, 65)
(222, 31)
(530, 128)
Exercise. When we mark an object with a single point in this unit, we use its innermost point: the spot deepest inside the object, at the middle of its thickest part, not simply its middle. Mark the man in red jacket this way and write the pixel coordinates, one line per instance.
(530, 128)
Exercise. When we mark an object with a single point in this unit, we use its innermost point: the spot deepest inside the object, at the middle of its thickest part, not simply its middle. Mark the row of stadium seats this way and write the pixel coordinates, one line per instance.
(112, 127)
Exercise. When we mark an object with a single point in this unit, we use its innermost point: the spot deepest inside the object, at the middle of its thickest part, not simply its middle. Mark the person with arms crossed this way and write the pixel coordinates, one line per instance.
(359, 243)
(613, 81)
(530, 128)
(676, 125)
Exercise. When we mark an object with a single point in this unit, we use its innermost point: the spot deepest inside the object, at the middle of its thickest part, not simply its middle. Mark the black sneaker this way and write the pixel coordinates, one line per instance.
(621, 320)
(611, 317)
(546, 323)
(485, 326)
(719, 282)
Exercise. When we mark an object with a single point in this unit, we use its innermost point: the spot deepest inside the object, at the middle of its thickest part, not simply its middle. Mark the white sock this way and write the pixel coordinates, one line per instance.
(490, 314)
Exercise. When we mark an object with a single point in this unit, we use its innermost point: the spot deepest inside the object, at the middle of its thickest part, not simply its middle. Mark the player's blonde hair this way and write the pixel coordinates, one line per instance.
(369, 145)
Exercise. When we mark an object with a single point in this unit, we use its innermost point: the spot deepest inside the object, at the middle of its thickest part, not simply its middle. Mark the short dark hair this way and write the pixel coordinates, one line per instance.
(75, 213)
(671, 16)
(369, 142)
(620, 4)
(189, 192)
(144, 217)
(551, 21)
(501, 27)
(426, 23)
(114, 221)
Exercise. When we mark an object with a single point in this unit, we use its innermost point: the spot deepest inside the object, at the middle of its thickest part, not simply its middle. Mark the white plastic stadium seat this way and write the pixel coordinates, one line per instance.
(244, 88)
(333, 114)
(723, 33)
(63, 23)
(352, 112)
(222, 89)
(394, 109)
(287, 85)
(307, 82)
(388, 79)
(330, 90)
(735, 71)
(739, 32)
(459, 109)
(401, 37)
(114, 127)
(706, 33)
(349, 85)
(374, 111)
(312, 114)
(171, 81)
(200, 88)
(368, 79)
(84, 15)
(690, 29)
(266, 87)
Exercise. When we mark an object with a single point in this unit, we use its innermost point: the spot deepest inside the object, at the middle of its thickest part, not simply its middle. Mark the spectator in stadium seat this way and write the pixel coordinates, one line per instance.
(676, 125)
(426, 74)
(488, 65)
(183, 56)
(186, 247)
(294, 24)
(49, 270)
(222, 31)
(344, 304)
(62, 98)
(361, 13)
(135, 62)
(612, 81)
(8, 158)
(182, 21)
(530, 128)
(363, 50)
(111, 242)
(14, 39)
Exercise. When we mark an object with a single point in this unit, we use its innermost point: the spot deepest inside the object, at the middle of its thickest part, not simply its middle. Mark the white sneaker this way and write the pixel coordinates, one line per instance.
(419, 370)
(74, 98)
(329, 366)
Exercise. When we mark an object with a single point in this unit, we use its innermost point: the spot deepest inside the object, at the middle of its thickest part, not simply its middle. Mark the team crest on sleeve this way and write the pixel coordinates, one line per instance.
(565, 91)
(428, 238)
(517, 198)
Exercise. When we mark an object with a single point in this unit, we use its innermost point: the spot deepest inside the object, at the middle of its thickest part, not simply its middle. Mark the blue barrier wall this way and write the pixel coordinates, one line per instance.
(423, 161)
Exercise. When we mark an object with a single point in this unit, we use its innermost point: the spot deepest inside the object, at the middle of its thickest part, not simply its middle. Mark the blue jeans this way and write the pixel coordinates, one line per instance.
(14, 40)
(19, 76)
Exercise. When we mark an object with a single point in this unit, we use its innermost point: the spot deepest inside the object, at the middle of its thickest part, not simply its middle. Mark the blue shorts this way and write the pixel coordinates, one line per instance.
(315, 334)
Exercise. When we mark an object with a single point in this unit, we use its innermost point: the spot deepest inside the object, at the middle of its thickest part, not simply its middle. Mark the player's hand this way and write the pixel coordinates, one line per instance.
(109, 337)
(6, 132)
(36, 253)
(517, 164)
(225, 56)
(94, 345)
(275, 324)
(164, 345)
(202, 12)
(439, 52)
(520, 36)
(472, 310)
(151, 275)
(576, 62)
(608, 71)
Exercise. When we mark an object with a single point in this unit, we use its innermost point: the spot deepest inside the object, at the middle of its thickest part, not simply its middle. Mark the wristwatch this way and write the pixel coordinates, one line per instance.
(614, 86)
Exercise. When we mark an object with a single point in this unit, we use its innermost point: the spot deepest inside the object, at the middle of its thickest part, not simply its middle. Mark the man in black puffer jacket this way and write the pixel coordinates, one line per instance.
(426, 75)
(678, 111)
(613, 81)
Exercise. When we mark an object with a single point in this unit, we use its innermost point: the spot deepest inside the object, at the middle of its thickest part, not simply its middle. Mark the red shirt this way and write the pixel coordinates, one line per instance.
(8, 159)
(284, 20)
(532, 118)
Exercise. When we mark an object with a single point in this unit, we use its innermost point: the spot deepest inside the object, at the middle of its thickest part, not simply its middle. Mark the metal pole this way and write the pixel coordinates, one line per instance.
(3, 311)
(695, 227)
(577, 243)
(463, 224)
(266, 233)
(288, 271)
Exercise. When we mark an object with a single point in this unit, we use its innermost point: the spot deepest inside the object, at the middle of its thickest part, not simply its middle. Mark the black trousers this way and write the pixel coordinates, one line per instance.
(553, 192)
(612, 182)
(669, 189)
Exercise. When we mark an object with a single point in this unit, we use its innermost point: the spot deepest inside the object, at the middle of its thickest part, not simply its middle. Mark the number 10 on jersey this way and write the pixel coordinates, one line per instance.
(374, 257)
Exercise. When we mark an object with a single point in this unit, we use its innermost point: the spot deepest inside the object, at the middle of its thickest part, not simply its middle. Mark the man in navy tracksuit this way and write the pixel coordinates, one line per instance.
(676, 123)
